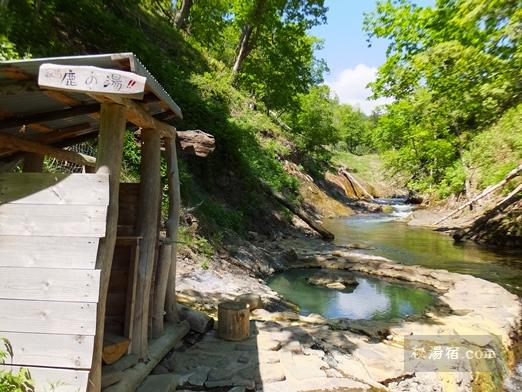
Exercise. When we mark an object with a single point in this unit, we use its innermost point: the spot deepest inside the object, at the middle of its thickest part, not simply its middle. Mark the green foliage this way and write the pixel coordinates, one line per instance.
(453, 70)
(313, 123)
(9, 380)
(498, 150)
(354, 128)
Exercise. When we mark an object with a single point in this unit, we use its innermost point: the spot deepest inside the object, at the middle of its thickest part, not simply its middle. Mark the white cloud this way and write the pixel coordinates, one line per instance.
(350, 86)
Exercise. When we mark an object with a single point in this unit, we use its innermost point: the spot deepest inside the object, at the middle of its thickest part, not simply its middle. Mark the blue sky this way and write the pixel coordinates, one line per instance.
(352, 63)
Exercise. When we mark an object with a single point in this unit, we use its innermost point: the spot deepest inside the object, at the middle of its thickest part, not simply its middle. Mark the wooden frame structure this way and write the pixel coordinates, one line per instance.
(58, 232)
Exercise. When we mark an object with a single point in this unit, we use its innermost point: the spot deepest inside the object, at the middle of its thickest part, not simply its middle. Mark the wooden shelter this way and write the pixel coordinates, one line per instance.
(84, 272)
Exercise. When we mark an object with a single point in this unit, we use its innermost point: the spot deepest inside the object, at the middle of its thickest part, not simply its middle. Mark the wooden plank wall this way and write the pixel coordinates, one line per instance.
(50, 225)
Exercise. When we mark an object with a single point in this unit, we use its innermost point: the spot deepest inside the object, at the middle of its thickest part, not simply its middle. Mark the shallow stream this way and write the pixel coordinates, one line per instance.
(394, 239)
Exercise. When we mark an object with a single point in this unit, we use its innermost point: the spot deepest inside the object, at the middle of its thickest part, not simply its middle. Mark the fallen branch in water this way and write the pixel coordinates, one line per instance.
(513, 197)
(512, 174)
(325, 234)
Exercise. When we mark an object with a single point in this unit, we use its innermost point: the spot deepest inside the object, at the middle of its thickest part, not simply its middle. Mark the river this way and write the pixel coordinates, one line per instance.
(393, 238)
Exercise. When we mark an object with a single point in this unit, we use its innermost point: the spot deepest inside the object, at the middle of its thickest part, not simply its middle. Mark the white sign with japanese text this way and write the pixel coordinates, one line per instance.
(89, 79)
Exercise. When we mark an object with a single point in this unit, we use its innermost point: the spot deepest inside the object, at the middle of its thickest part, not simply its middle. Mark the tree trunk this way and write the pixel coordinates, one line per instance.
(512, 174)
(325, 234)
(108, 160)
(180, 21)
(243, 47)
(513, 197)
(246, 40)
(172, 227)
(148, 212)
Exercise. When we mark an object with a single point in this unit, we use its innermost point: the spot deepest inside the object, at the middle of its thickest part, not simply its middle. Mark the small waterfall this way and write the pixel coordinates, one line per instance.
(401, 209)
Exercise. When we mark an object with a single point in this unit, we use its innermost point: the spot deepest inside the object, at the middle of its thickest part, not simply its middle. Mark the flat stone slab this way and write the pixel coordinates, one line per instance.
(159, 383)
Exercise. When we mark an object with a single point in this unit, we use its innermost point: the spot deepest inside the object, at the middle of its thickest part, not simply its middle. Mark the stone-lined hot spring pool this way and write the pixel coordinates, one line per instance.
(371, 299)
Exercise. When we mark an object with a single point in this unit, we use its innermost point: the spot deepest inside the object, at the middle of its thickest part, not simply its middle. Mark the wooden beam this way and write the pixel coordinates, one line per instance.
(171, 307)
(56, 136)
(19, 121)
(14, 87)
(110, 152)
(14, 143)
(88, 79)
(138, 115)
(148, 213)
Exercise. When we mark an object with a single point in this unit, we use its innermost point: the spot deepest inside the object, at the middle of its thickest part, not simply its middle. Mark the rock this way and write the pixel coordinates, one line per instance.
(270, 373)
(160, 369)
(302, 367)
(268, 357)
(333, 280)
(290, 256)
(158, 383)
(237, 389)
(233, 382)
(199, 376)
(244, 358)
(219, 374)
(375, 329)
(199, 322)
(336, 285)
(293, 347)
(253, 300)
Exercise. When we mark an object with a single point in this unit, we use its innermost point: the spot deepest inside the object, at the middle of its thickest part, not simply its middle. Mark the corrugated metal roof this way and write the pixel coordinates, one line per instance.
(21, 97)
(122, 61)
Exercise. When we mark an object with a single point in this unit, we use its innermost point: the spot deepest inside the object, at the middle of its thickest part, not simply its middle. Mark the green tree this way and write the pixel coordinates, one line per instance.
(354, 128)
(452, 70)
(313, 122)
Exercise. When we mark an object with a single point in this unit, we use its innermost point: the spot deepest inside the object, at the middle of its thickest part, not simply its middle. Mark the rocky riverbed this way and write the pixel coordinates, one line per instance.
(291, 352)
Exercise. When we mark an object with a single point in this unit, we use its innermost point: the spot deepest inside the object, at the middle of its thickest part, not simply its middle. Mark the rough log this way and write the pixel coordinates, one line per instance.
(353, 181)
(110, 151)
(159, 347)
(112, 374)
(512, 174)
(233, 321)
(477, 224)
(160, 289)
(196, 142)
(325, 234)
(114, 347)
(148, 213)
(172, 227)
(15, 143)
(198, 321)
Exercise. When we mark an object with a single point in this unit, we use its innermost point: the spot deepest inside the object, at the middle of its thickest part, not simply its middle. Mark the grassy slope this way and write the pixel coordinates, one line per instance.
(246, 149)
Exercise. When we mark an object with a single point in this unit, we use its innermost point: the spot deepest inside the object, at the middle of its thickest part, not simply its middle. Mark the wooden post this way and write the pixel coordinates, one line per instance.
(160, 289)
(110, 150)
(33, 163)
(233, 320)
(149, 202)
(172, 227)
